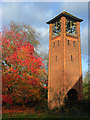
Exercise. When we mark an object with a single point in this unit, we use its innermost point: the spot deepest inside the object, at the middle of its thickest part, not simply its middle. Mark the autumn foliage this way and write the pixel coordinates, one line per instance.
(23, 75)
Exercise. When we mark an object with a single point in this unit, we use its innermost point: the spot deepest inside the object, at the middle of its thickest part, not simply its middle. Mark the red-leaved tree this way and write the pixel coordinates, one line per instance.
(23, 74)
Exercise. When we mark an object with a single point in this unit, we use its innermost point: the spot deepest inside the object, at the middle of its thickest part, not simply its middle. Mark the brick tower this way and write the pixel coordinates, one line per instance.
(65, 70)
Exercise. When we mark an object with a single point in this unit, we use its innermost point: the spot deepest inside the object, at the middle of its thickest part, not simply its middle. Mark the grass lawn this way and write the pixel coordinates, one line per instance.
(70, 112)
(35, 115)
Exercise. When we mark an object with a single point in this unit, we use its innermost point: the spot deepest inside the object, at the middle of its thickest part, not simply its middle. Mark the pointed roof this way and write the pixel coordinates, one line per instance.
(65, 14)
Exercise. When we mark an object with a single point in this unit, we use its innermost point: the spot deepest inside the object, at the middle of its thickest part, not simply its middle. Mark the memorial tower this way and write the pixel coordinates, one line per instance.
(65, 69)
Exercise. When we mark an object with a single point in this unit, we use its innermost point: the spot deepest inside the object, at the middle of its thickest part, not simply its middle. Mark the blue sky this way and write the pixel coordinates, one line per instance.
(38, 13)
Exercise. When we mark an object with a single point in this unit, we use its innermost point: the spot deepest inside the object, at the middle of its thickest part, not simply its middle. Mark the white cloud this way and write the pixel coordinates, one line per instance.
(43, 31)
(44, 39)
(43, 49)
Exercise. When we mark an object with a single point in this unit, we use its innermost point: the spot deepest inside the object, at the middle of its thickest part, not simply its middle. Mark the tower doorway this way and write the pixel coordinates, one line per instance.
(72, 95)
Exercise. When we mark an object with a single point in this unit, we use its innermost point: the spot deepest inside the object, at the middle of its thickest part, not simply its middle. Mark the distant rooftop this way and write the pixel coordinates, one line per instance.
(65, 14)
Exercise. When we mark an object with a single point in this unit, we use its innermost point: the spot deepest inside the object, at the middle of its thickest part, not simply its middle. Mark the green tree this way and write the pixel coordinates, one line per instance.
(86, 86)
(45, 56)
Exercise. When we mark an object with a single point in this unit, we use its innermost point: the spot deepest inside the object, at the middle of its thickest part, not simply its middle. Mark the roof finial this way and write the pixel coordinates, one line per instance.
(63, 11)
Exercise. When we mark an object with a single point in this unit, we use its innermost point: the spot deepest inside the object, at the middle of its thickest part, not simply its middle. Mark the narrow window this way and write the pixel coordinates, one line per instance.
(74, 43)
(53, 44)
(71, 58)
(58, 42)
(68, 42)
(56, 58)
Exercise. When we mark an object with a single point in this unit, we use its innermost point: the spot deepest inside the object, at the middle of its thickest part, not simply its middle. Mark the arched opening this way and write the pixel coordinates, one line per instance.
(72, 95)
